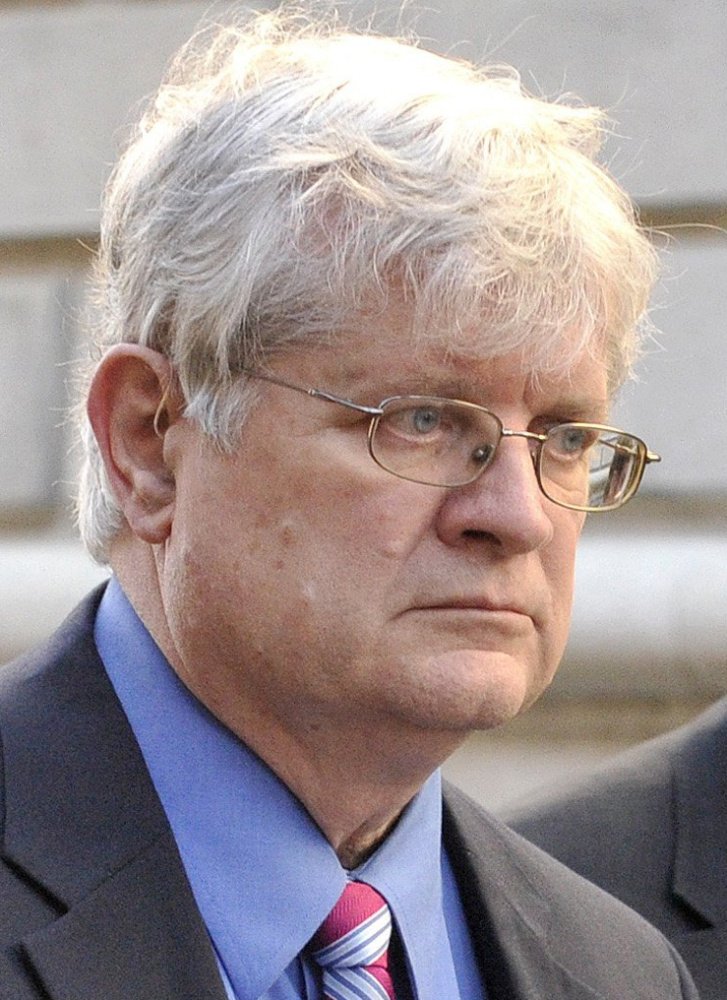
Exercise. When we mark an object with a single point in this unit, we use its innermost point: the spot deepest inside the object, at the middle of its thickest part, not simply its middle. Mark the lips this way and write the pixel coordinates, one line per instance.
(475, 603)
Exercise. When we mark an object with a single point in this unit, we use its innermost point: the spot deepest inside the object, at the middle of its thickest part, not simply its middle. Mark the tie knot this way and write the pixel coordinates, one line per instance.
(352, 944)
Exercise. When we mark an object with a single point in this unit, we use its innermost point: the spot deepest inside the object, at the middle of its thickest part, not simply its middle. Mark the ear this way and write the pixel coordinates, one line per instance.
(131, 404)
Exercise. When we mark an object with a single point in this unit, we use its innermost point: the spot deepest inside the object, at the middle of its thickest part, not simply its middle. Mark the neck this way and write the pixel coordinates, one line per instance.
(354, 778)
(353, 789)
(361, 845)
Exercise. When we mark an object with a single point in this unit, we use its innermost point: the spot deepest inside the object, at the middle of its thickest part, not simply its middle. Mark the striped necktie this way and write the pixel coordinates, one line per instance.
(352, 946)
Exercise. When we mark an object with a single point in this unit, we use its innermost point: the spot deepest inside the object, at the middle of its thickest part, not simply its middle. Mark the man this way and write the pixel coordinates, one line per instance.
(649, 828)
(361, 311)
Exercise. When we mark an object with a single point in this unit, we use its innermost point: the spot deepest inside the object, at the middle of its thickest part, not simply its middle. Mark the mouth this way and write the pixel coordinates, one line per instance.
(475, 622)
(478, 611)
(475, 603)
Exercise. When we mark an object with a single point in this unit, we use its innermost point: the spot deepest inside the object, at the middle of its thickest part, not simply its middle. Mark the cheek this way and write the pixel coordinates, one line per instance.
(369, 527)
(290, 554)
(559, 564)
(337, 554)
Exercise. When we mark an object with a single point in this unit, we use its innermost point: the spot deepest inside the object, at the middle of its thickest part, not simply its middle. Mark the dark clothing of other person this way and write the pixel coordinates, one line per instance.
(650, 827)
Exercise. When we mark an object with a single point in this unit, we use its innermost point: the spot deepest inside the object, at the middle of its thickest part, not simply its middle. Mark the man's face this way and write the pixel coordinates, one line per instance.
(307, 589)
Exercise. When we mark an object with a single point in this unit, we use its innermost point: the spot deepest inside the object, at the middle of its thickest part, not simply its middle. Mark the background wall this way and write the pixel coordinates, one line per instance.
(649, 644)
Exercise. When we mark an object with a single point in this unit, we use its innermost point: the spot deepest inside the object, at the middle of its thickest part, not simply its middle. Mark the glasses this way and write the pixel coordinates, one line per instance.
(450, 443)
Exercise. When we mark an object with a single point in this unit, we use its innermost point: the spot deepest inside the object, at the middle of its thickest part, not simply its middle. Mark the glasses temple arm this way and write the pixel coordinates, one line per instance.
(372, 411)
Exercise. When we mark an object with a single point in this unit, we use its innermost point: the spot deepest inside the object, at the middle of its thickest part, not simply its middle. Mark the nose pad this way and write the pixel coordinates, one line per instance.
(483, 456)
(505, 505)
(536, 450)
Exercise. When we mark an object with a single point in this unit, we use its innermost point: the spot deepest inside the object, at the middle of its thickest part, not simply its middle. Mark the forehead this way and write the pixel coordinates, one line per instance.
(385, 358)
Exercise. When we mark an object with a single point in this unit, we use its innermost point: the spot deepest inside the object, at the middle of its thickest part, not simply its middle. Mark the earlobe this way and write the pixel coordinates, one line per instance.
(131, 407)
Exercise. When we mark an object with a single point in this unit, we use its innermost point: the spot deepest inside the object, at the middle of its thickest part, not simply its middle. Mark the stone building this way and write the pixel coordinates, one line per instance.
(649, 644)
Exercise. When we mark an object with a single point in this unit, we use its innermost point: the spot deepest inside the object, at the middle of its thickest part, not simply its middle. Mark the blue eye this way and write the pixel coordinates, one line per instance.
(424, 420)
(574, 440)
(571, 441)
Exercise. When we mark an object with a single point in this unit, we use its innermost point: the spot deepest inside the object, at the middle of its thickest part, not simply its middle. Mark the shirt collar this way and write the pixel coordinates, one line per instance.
(263, 875)
(407, 871)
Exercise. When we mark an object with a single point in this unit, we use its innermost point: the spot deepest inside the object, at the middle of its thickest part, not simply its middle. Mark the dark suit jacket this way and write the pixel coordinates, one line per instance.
(95, 905)
(651, 828)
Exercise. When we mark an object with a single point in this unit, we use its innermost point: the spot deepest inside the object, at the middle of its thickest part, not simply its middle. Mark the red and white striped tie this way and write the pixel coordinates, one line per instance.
(352, 946)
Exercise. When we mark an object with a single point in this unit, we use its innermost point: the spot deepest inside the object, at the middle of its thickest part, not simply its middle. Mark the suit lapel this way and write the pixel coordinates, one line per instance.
(508, 915)
(88, 830)
(138, 934)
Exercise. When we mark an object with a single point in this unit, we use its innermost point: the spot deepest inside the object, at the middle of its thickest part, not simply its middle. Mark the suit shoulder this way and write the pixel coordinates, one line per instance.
(627, 793)
(33, 686)
(72, 641)
(599, 823)
(635, 781)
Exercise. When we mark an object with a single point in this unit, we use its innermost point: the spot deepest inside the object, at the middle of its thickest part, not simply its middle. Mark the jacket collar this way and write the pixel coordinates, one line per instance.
(541, 931)
(85, 825)
(511, 911)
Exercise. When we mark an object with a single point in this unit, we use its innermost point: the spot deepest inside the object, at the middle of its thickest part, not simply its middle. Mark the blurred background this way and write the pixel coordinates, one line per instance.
(649, 642)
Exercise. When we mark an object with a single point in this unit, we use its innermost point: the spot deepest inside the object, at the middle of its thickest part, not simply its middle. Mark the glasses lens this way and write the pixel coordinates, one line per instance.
(434, 441)
(591, 467)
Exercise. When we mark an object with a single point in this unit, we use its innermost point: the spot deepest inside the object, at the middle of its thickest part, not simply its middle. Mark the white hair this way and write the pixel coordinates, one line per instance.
(289, 176)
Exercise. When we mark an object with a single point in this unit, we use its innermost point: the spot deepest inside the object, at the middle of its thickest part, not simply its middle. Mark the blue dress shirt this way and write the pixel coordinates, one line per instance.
(263, 875)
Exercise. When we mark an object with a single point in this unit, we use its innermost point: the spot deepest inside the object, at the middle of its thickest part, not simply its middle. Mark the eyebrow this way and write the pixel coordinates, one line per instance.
(453, 385)
(583, 407)
(572, 407)
(422, 383)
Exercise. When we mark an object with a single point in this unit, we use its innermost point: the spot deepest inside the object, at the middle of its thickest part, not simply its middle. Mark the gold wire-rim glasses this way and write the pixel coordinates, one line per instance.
(629, 455)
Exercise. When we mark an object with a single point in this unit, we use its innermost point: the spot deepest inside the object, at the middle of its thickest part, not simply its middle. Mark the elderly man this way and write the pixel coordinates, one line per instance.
(361, 312)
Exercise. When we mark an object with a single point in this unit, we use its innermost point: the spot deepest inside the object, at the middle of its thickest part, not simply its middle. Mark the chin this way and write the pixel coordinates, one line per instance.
(477, 691)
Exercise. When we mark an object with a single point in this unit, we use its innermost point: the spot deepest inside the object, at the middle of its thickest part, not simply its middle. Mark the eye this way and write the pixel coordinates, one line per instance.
(424, 419)
(571, 440)
(574, 439)
(416, 421)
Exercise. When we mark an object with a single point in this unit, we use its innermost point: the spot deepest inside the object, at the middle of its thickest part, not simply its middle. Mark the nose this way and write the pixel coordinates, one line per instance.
(505, 506)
